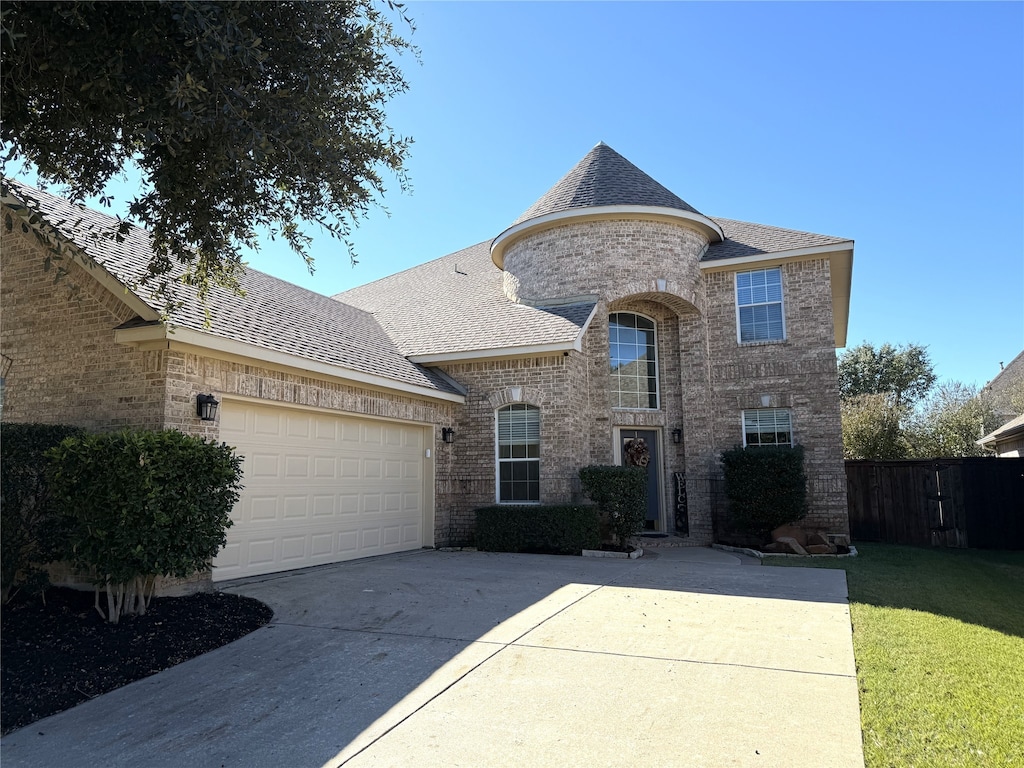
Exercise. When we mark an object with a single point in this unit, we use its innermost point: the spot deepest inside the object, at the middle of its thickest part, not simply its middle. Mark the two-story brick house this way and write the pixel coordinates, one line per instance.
(379, 420)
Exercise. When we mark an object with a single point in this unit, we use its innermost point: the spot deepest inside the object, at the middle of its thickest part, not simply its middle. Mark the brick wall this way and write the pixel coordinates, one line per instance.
(466, 469)
(66, 366)
(614, 259)
(798, 373)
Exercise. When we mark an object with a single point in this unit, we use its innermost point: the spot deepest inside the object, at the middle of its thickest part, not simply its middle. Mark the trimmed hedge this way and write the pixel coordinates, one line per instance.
(766, 487)
(546, 528)
(142, 504)
(30, 536)
(621, 493)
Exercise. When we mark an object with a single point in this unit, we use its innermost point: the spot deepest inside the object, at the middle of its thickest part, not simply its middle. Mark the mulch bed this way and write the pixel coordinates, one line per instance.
(60, 654)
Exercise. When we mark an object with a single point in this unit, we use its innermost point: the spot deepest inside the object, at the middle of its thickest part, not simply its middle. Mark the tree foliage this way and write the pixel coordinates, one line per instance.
(905, 374)
(871, 428)
(891, 407)
(953, 417)
(240, 116)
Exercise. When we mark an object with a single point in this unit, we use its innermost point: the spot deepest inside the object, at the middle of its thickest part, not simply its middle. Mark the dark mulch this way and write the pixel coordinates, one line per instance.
(60, 654)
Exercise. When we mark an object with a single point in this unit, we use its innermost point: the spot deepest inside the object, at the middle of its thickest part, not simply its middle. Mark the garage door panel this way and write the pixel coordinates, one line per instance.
(261, 465)
(392, 535)
(348, 543)
(325, 506)
(321, 544)
(319, 489)
(266, 422)
(296, 507)
(298, 426)
(259, 509)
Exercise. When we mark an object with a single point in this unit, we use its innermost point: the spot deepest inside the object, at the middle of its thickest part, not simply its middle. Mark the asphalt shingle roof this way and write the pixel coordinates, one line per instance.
(457, 304)
(604, 177)
(273, 314)
(742, 238)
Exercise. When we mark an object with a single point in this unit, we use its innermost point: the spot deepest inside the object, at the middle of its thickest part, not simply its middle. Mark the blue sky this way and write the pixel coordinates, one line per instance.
(900, 126)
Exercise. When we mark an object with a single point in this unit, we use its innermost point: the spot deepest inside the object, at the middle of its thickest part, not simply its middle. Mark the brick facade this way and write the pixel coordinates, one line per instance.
(68, 368)
(706, 376)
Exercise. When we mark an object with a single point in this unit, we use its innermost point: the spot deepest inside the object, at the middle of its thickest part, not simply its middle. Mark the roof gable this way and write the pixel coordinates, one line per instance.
(273, 314)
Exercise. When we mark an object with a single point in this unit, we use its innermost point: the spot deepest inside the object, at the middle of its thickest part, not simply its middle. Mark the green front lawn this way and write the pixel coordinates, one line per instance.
(938, 635)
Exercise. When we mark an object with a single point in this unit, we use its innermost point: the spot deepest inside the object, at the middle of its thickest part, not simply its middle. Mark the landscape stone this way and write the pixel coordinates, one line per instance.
(793, 545)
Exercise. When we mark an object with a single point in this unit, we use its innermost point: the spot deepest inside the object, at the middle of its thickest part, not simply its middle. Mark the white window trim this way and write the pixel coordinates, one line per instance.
(657, 359)
(743, 425)
(498, 460)
(736, 303)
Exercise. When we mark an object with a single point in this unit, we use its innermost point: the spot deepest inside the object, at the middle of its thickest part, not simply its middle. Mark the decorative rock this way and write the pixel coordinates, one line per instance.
(821, 549)
(776, 548)
(792, 532)
(816, 538)
(793, 545)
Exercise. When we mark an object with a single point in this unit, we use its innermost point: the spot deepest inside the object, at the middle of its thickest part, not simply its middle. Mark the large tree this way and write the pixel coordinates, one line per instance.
(904, 374)
(240, 115)
(878, 389)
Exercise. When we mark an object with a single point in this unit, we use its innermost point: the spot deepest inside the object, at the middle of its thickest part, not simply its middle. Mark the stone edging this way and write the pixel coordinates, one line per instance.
(637, 552)
(762, 555)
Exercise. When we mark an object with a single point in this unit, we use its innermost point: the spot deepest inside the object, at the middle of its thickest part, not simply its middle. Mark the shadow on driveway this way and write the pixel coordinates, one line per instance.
(433, 658)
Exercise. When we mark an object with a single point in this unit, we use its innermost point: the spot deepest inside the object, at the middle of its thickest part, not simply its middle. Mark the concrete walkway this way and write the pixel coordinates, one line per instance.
(679, 658)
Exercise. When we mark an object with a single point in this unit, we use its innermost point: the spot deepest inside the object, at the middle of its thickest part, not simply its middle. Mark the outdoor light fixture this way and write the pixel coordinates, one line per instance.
(677, 436)
(448, 434)
(206, 407)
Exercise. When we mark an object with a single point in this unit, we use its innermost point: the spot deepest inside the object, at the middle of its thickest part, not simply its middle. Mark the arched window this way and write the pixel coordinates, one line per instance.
(632, 347)
(518, 453)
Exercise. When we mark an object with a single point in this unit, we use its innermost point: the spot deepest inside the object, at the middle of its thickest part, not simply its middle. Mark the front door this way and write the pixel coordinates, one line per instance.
(650, 438)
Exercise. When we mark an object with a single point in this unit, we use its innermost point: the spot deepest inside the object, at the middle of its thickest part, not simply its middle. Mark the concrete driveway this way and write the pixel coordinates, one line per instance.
(683, 658)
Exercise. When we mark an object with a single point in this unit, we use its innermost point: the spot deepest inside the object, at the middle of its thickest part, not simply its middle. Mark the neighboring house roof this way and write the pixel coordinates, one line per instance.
(1009, 430)
(273, 314)
(1005, 385)
(604, 177)
(456, 306)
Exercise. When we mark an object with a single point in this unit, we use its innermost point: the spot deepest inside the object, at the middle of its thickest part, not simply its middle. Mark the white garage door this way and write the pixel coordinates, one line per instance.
(320, 489)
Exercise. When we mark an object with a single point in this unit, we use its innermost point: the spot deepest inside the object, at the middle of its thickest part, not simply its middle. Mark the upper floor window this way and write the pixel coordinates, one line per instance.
(767, 426)
(632, 347)
(759, 305)
(518, 453)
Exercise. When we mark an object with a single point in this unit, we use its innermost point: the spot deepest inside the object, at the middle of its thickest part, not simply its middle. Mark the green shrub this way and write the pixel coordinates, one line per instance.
(29, 536)
(765, 487)
(142, 504)
(620, 493)
(548, 528)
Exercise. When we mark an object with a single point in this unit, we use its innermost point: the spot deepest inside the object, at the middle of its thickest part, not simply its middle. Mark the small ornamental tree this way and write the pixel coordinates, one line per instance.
(143, 504)
(766, 487)
(28, 536)
(621, 494)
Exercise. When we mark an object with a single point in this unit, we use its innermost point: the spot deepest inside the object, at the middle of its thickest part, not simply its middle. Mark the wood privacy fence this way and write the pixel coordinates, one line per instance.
(965, 502)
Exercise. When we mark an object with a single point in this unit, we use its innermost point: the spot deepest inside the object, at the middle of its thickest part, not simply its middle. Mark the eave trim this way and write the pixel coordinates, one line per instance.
(182, 337)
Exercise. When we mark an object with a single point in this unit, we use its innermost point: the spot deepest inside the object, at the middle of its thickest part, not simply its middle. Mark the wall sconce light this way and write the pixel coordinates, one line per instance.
(206, 407)
(677, 436)
(448, 434)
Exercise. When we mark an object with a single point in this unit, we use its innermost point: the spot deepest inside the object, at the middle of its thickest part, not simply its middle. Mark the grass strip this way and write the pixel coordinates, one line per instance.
(938, 635)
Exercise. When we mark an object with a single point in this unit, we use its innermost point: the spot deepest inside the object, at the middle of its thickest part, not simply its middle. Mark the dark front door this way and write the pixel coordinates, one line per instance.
(650, 438)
